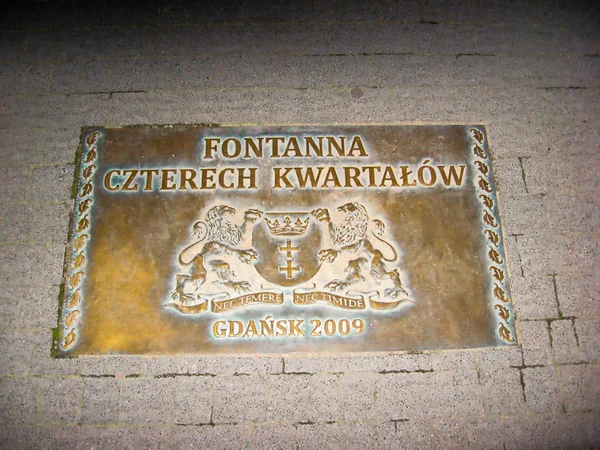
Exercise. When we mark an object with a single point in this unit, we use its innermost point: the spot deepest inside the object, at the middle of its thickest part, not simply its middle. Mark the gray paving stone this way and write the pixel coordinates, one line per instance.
(278, 39)
(351, 71)
(588, 336)
(573, 138)
(60, 400)
(535, 340)
(508, 39)
(147, 400)
(434, 395)
(51, 183)
(359, 396)
(186, 73)
(580, 253)
(580, 389)
(413, 12)
(19, 112)
(192, 399)
(160, 108)
(346, 11)
(454, 360)
(17, 357)
(141, 74)
(101, 399)
(275, 436)
(494, 357)
(406, 362)
(75, 437)
(17, 221)
(61, 145)
(565, 348)
(562, 173)
(578, 296)
(270, 71)
(231, 436)
(534, 298)
(542, 390)
(520, 139)
(341, 435)
(577, 104)
(414, 434)
(469, 432)
(542, 431)
(524, 214)
(24, 437)
(397, 70)
(451, 432)
(587, 425)
(502, 392)
(302, 398)
(432, 38)
(190, 436)
(570, 430)
(509, 177)
(34, 77)
(574, 212)
(64, 111)
(80, 76)
(30, 265)
(239, 399)
(513, 256)
(21, 145)
(540, 255)
(14, 182)
(50, 223)
(18, 400)
(134, 437)
(29, 307)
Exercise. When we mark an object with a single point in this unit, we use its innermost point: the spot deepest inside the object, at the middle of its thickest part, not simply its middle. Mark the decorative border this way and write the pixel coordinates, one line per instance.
(76, 272)
(492, 234)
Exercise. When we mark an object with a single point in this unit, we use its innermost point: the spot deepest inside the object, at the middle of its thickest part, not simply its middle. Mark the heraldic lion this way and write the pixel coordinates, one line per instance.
(216, 236)
(353, 236)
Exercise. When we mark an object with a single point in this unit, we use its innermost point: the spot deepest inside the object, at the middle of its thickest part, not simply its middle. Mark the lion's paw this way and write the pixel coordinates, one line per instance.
(252, 215)
(240, 286)
(248, 256)
(337, 285)
(328, 255)
(183, 299)
(395, 292)
(322, 215)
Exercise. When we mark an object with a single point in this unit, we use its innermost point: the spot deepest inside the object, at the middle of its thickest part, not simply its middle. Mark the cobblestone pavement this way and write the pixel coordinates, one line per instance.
(529, 70)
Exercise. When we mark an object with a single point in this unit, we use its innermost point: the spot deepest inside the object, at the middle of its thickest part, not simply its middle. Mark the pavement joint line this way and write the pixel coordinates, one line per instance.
(338, 88)
(555, 288)
(286, 54)
(261, 23)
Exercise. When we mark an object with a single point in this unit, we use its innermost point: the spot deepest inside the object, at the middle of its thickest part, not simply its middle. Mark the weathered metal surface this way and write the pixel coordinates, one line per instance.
(270, 240)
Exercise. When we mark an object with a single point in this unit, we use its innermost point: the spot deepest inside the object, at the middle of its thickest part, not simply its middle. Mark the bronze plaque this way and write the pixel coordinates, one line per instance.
(284, 239)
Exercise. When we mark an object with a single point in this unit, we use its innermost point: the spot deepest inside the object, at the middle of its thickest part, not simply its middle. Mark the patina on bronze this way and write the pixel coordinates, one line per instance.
(284, 239)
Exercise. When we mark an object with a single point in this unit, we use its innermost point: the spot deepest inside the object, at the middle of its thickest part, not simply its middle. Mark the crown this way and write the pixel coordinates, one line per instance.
(287, 228)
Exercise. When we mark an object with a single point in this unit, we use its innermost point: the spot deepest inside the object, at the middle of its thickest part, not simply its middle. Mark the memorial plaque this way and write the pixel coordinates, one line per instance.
(284, 239)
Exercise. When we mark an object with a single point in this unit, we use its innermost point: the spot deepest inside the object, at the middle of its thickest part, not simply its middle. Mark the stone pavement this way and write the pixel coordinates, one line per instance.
(529, 70)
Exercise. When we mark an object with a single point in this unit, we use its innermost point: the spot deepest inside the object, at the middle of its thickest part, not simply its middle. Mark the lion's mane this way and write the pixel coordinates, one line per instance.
(354, 227)
(220, 229)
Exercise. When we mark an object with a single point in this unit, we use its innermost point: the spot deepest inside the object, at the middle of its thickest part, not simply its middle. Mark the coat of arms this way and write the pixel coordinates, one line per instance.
(338, 257)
